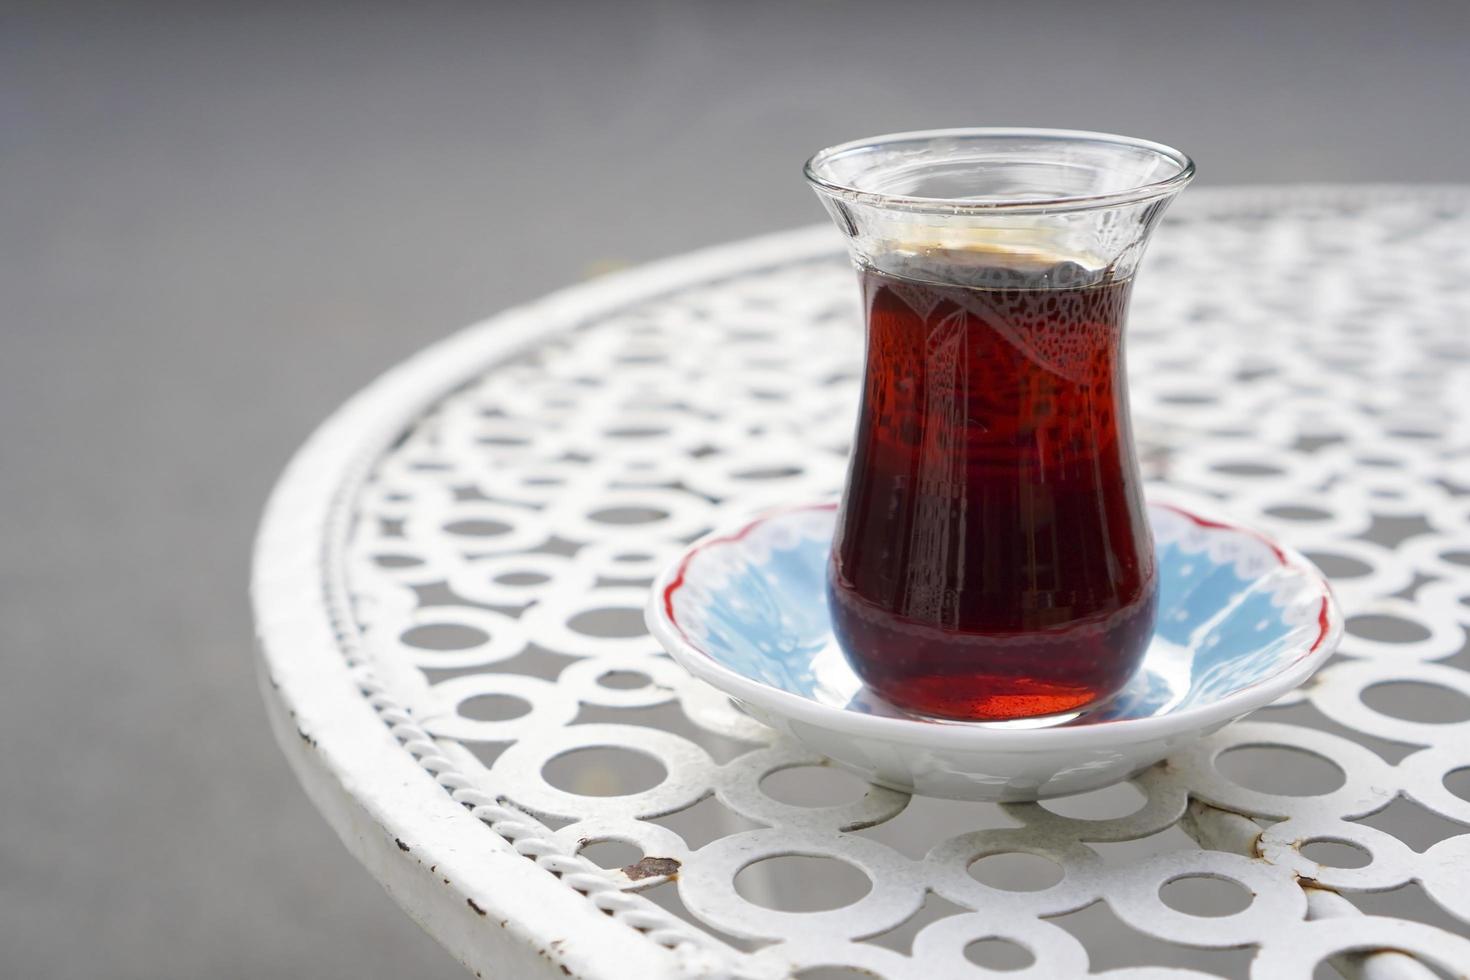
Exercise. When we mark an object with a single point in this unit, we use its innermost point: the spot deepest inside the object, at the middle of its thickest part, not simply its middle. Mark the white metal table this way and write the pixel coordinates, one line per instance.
(449, 578)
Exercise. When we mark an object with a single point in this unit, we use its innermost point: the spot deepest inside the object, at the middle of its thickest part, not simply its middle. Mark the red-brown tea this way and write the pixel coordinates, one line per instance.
(992, 557)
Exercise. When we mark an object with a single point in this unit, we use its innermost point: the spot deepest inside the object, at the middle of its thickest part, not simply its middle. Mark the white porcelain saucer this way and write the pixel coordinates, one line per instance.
(1241, 621)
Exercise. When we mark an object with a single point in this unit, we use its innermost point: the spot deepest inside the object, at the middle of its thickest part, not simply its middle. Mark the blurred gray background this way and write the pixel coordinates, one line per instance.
(218, 220)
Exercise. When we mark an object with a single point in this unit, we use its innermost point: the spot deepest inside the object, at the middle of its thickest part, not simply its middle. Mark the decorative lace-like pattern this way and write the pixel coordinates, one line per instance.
(1302, 358)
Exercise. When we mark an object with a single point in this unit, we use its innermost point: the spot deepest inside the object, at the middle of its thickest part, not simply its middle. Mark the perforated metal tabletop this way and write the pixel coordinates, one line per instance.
(450, 576)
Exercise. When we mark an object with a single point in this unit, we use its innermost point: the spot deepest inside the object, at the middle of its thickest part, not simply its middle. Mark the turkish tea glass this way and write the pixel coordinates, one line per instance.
(992, 559)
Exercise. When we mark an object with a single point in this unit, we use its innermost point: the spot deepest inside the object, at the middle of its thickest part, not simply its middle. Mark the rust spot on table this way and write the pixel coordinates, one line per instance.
(652, 867)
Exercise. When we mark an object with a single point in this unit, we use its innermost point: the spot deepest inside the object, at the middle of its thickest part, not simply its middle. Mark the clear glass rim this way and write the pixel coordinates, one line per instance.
(1165, 187)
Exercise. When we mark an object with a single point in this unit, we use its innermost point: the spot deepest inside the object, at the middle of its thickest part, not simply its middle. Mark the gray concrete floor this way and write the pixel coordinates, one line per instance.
(218, 220)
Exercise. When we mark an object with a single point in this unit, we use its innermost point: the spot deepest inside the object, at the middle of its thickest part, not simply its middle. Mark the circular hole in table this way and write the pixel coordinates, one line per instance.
(1280, 770)
(611, 853)
(444, 636)
(768, 473)
(397, 561)
(600, 771)
(1016, 871)
(635, 432)
(797, 883)
(1339, 566)
(522, 578)
(813, 786)
(1205, 895)
(493, 707)
(1457, 781)
(624, 516)
(611, 622)
(1418, 702)
(994, 953)
(1387, 629)
(1246, 469)
(624, 680)
(1336, 854)
(1290, 512)
(477, 528)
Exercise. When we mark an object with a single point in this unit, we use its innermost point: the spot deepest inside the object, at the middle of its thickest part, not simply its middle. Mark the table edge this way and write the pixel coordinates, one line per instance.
(336, 740)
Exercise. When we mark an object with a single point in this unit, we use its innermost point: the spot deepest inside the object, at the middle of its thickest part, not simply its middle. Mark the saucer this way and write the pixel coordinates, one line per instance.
(1241, 621)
